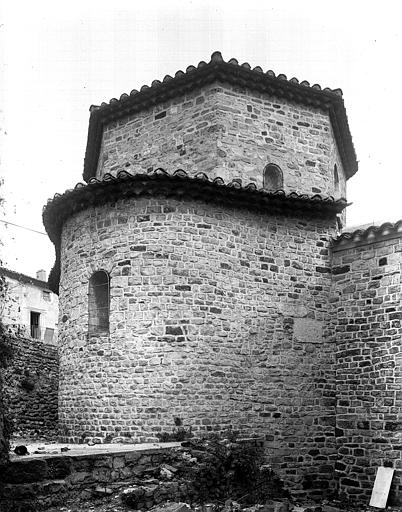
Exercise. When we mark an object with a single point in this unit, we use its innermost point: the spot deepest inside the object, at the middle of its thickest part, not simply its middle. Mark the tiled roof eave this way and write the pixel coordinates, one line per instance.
(343, 137)
(221, 71)
(370, 235)
(178, 185)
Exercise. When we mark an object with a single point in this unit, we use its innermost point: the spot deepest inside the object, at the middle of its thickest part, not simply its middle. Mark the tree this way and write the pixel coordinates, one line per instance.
(5, 353)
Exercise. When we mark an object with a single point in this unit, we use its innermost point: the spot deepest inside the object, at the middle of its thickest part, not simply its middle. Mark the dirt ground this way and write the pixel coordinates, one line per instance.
(114, 504)
(109, 504)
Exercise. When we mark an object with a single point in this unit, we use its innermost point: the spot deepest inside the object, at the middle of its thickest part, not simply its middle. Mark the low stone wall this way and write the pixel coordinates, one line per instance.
(144, 475)
(31, 386)
(3, 439)
(45, 480)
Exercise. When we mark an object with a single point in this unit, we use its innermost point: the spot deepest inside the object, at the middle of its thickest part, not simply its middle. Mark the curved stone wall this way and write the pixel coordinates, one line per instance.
(217, 318)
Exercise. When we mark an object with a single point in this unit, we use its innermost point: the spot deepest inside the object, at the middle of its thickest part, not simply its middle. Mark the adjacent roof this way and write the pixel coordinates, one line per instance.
(177, 185)
(22, 278)
(365, 235)
(230, 72)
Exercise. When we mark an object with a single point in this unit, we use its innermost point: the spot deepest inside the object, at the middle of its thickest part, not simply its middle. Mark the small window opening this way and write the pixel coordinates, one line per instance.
(98, 303)
(273, 179)
(336, 178)
(35, 325)
(46, 295)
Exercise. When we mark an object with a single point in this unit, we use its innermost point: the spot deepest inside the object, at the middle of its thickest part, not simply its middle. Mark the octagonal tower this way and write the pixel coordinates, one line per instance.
(194, 265)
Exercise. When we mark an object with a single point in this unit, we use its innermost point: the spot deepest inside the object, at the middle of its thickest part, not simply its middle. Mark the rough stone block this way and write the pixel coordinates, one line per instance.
(27, 471)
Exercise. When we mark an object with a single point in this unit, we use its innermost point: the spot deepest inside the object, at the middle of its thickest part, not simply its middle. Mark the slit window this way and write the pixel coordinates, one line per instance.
(273, 178)
(98, 303)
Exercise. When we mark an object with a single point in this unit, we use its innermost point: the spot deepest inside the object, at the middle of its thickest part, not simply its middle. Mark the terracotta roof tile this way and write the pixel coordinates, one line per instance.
(300, 200)
(177, 185)
(364, 235)
(216, 57)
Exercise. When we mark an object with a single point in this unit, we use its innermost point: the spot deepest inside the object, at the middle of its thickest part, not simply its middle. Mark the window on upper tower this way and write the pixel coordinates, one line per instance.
(336, 178)
(273, 178)
(99, 303)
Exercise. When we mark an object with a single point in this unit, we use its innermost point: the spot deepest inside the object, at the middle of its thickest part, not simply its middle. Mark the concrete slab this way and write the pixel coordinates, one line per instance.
(76, 450)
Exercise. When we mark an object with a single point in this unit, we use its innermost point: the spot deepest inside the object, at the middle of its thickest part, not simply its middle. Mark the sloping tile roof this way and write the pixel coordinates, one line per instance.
(219, 70)
(177, 185)
(365, 235)
(23, 278)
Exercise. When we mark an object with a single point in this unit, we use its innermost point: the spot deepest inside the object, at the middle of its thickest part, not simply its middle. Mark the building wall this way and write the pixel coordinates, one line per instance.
(3, 441)
(218, 317)
(21, 299)
(230, 133)
(367, 313)
(30, 387)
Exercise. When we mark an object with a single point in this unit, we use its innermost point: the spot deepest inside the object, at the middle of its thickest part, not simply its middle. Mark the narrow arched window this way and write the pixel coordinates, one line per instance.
(98, 302)
(336, 178)
(273, 179)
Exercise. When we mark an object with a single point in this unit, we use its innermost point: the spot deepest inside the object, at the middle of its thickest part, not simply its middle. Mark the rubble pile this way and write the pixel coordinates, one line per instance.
(212, 469)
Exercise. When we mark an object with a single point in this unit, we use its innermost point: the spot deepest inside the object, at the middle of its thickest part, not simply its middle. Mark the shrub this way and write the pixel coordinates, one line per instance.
(229, 469)
(179, 433)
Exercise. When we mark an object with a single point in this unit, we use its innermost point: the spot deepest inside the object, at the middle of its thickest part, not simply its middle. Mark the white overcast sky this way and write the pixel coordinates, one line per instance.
(58, 58)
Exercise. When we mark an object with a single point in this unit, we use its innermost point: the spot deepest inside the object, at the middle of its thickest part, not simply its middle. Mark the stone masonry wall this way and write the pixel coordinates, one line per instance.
(35, 482)
(136, 472)
(228, 132)
(30, 387)
(4, 446)
(367, 313)
(218, 317)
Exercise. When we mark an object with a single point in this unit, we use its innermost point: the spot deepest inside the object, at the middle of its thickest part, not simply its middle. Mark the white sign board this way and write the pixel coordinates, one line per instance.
(381, 487)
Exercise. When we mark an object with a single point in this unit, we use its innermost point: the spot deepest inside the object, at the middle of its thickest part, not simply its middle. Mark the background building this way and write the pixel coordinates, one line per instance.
(31, 308)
